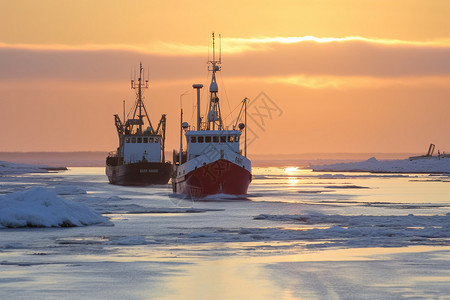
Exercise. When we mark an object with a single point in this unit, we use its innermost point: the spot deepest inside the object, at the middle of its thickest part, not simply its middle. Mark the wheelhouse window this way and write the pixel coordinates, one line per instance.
(193, 139)
(139, 140)
(145, 140)
(236, 138)
(133, 140)
(156, 140)
(215, 139)
(127, 140)
(150, 140)
(200, 139)
(230, 139)
(207, 139)
(223, 138)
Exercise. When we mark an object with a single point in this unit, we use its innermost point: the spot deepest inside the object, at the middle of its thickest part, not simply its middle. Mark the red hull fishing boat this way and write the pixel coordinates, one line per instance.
(213, 162)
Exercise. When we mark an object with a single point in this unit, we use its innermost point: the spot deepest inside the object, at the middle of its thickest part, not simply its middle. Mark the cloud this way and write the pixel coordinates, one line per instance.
(262, 42)
(292, 60)
(345, 58)
(87, 64)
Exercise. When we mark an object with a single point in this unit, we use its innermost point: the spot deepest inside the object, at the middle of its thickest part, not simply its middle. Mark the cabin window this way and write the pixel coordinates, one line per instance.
(156, 140)
(223, 138)
(230, 138)
(150, 140)
(127, 140)
(236, 138)
(215, 139)
(133, 140)
(200, 139)
(207, 139)
(193, 139)
(145, 140)
(139, 140)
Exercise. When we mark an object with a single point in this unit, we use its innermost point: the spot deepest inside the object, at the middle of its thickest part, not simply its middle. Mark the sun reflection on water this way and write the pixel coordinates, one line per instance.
(293, 181)
(290, 170)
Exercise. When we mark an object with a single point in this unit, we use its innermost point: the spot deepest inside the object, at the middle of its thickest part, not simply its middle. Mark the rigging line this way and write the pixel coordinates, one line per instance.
(206, 90)
(226, 96)
(194, 104)
(129, 113)
(233, 110)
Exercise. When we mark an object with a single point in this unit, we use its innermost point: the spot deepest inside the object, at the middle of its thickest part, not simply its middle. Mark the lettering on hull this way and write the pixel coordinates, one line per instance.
(148, 170)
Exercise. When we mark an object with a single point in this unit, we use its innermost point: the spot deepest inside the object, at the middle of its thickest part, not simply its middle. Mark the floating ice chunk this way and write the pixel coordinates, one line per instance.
(13, 246)
(7, 168)
(432, 165)
(346, 187)
(363, 231)
(69, 190)
(115, 198)
(41, 207)
(224, 197)
(131, 241)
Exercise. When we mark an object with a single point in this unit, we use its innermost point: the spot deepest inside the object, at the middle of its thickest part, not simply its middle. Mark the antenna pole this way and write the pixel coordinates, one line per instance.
(181, 128)
(123, 110)
(245, 121)
(214, 56)
(181, 135)
(214, 115)
(141, 83)
(220, 48)
(180, 154)
(140, 98)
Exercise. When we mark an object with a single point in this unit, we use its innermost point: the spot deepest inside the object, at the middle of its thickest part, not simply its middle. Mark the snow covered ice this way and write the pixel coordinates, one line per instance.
(7, 168)
(298, 234)
(427, 165)
(41, 207)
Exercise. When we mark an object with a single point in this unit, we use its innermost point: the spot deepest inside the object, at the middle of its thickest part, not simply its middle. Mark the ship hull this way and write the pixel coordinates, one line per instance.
(139, 174)
(218, 177)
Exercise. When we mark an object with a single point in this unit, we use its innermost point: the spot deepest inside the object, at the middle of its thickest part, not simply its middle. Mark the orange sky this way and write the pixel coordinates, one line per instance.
(342, 76)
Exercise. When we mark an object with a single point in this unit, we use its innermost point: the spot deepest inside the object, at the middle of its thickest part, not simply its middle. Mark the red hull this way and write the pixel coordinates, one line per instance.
(219, 177)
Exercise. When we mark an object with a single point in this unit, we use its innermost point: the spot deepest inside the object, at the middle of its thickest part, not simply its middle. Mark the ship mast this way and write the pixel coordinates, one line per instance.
(214, 117)
(140, 108)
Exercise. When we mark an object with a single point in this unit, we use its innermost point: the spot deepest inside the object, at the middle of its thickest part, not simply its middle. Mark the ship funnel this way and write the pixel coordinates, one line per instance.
(198, 87)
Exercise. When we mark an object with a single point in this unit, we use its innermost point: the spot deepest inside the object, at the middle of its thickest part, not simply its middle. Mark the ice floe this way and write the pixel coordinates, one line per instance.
(326, 231)
(431, 165)
(8, 168)
(42, 207)
(130, 241)
(363, 230)
(69, 190)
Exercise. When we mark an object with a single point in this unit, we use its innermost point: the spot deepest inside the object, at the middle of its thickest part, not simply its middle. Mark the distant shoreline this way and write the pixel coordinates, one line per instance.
(432, 165)
(97, 158)
(57, 159)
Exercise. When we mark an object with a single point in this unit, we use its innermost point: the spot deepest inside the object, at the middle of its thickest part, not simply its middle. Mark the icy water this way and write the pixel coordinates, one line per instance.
(297, 235)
